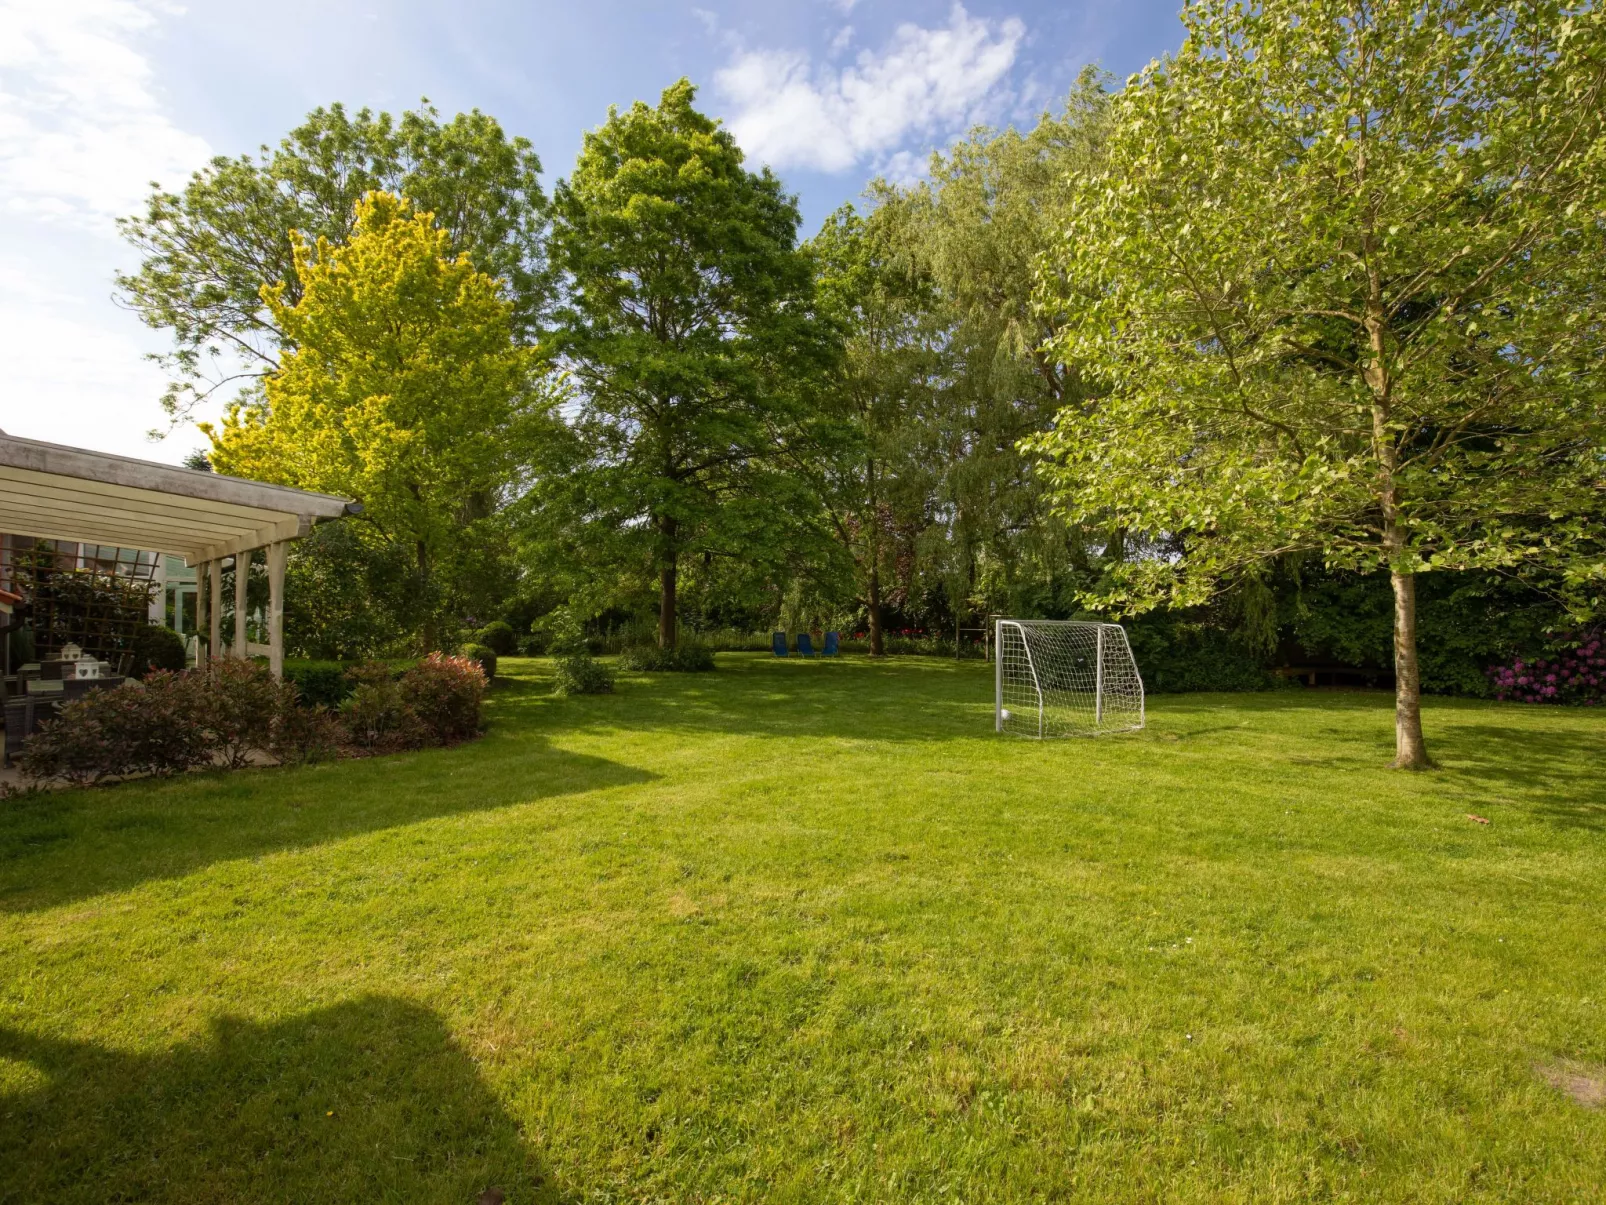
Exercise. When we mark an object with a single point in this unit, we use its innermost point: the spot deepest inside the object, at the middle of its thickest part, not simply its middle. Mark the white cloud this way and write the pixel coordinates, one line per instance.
(789, 113)
(82, 133)
(81, 130)
(843, 37)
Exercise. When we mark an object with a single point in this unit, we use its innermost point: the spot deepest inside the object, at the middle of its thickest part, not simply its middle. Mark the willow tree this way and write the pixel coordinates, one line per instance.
(688, 330)
(1339, 280)
(866, 465)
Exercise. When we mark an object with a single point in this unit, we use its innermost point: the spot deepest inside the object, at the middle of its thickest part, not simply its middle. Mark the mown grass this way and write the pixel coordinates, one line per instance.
(803, 931)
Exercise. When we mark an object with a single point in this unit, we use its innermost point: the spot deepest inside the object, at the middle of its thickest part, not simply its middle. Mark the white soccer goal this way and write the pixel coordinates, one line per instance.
(1057, 677)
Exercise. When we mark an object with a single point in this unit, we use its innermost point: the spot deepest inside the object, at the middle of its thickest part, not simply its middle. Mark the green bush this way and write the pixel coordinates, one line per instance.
(377, 715)
(480, 653)
(155, 647)
(499, 637)
(649, 658)
(536, 644)
(577, 672)
(580, 674)
(445, 693)
(1175, 655)
(320, 683)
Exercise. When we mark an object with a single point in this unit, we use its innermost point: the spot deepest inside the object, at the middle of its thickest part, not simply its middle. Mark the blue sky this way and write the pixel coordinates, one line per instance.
(97, 97)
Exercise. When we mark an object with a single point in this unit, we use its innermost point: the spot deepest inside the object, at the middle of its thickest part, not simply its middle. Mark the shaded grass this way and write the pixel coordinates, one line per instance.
(811, 931)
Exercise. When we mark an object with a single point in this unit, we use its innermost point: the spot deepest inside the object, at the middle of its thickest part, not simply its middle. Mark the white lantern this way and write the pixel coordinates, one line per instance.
(71, 652)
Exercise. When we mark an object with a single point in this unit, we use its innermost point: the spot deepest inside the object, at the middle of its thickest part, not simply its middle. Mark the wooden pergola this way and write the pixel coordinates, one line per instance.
(61, 493)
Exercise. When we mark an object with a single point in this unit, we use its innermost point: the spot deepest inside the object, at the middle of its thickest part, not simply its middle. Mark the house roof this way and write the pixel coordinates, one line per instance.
(61, 493)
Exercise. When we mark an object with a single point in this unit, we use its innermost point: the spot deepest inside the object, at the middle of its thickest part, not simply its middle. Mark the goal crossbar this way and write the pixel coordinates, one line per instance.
(1065, 678)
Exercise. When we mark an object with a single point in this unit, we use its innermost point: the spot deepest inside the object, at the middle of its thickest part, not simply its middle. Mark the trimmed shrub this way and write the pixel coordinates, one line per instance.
(580, 674)
(119, 732)
(319, 683)
(239, 701)
(376, 716)
(577, 673)
(683, 659)
(302, 735)
(481, 654)
(536, 644)
(499, 637)
(155, 648)
(445, 694)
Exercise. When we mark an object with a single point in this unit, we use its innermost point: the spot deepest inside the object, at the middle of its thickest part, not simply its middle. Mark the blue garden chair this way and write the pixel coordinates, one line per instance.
(805, 645)
(778, 644)
(831, 639)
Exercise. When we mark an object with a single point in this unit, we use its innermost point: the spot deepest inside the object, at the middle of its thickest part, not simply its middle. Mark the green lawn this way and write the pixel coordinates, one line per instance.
(803, 931)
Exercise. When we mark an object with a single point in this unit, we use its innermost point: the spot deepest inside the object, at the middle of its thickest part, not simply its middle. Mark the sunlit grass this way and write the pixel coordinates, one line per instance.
(810, 931)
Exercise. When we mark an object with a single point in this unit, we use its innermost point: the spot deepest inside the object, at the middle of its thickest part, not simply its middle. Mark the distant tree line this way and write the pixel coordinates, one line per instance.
(1294, 342)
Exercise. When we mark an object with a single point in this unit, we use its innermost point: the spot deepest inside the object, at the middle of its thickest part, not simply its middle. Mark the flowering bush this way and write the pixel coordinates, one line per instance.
(1575, 674)
(445, 694)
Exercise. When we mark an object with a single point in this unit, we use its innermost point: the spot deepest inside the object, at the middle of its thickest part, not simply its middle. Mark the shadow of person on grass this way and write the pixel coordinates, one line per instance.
(369, 1100)
(66, 845)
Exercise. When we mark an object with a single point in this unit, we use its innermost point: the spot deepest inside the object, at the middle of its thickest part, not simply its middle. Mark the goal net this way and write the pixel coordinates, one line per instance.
(1065, 678)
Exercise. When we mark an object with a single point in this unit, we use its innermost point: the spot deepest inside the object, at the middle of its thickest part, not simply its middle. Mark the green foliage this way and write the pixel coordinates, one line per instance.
(690, 331)
(1176, 653)
(154, 647)
(1329, 282)
(482, 656)
(499, 637)
(683, 658)
(377, 715)
(209, 251)
(350, 592)
(319, 683)
(578, 673)
(405, 389)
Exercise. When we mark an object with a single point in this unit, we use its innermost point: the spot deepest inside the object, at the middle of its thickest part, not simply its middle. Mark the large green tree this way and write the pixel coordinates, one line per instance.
(405, 389)
(866, 464)
(689, 331)
(1339, 279)
(978, 227)
(209, 249)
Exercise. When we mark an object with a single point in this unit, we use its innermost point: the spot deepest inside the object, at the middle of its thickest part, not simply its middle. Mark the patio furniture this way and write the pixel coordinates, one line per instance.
(778, 644)
(832, 639)
(805, 645)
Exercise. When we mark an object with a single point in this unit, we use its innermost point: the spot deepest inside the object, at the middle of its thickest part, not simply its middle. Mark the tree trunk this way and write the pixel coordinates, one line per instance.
(429, 634)
(1410, 750)
(878, 647)
(668, 561)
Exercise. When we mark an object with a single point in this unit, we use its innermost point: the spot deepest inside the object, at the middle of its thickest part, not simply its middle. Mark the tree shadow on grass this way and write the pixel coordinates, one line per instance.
(1556, 773)
(853, 698)
(67, 845)
(370, 1100)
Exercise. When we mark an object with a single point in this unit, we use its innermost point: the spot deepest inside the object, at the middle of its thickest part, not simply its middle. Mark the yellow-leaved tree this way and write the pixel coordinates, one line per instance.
(404, 388)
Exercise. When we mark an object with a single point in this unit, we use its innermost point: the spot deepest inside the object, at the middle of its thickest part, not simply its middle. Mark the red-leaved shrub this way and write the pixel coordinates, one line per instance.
(445, 694)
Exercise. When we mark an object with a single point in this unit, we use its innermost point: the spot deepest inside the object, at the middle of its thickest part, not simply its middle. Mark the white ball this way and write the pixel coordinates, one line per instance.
(1004, 713)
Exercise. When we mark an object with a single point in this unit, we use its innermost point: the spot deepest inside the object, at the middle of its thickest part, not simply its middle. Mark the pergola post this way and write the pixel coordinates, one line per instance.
(214, 608)
(242, 576)
(278, 553)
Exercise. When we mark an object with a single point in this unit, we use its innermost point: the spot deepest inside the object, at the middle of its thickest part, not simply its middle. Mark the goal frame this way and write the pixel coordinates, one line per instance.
(1108, 639)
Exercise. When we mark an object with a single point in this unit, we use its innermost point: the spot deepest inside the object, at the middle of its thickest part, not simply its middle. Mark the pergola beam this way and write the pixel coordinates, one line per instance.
(75, 495)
